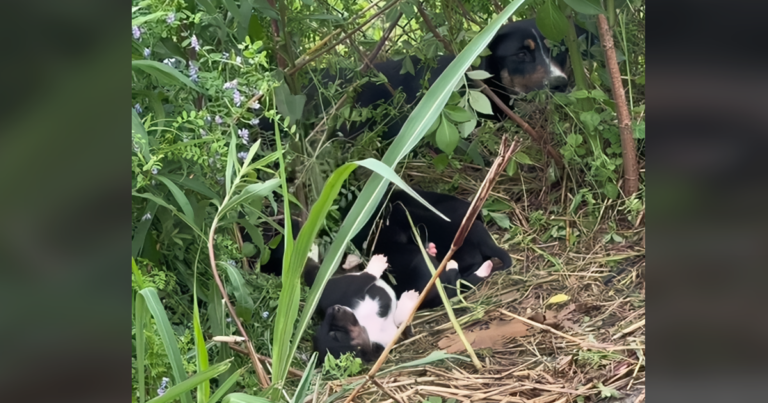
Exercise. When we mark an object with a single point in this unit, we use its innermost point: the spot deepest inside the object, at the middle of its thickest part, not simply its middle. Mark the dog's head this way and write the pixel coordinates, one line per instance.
(341, 333)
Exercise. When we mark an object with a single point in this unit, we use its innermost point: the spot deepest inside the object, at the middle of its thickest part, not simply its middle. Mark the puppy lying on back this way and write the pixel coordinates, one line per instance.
(362, 313)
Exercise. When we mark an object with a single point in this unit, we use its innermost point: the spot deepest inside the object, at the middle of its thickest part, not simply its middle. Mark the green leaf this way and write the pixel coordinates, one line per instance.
(579, 94)
(142, 228)
(478, 74)
(137, 128)
(249, 192)
(208, 6)
(301, 390)
(180, 197)
(182, 389)
(238, 286)
(480, 102)
(441, 162)
(164, 73)
(522, 158)
(204, 389)
(224, 387)
(501, 219)
(138, 21)
(244, 398)
(607, 392)
(263, 7)
(589, 7)
(611, 190)
(466, 128)
(414, 129)
(255, 30)
(511, 167)
(231, 160)
(148, 298)
(195, 184)
(457, 114)
(169, 207)
(432, 357)
(590, 119)
(638, 130)
(288, 104)
(447, 136)
(551, 21)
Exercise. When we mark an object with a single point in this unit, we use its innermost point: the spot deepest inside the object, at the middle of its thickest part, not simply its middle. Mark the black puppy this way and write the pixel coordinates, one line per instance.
(520, 62)
(395, 231)
(362, 313)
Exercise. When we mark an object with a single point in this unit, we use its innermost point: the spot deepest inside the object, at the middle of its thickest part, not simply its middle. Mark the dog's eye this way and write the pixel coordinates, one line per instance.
(522, 55)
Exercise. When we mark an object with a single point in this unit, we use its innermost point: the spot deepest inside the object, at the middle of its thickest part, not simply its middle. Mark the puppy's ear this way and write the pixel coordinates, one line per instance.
(373, 354)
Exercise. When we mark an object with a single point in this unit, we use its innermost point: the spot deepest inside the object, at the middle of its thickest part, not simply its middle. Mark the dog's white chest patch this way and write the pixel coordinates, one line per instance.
(380, 330)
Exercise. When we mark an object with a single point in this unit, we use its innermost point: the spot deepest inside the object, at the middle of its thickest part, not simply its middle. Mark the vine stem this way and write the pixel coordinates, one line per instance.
(263, 379)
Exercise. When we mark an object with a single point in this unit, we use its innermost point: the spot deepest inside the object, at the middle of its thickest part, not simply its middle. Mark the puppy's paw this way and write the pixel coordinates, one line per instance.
(432, 249)
(409, 298)
(485, 270)
(377, 265)
(351, 262)
(452, 265)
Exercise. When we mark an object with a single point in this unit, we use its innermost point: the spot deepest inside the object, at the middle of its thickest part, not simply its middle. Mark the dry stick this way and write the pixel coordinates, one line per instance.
(263, 380)
(440, 38)
(294, 372)
(628, 152)
(629, 329)
(554, 154)
(304, 60)
(368, 62)
(386, 391)
(506, 151)
(281, 62)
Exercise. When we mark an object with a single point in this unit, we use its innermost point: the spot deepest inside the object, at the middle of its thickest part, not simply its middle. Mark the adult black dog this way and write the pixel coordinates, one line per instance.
(520, 62)
(362, 313)
(274, 264)
(477, 258)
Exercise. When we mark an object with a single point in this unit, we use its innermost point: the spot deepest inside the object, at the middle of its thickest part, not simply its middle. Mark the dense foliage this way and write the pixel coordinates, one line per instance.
(206, 72)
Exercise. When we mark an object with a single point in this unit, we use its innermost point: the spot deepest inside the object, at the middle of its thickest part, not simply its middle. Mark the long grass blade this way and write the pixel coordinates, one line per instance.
(204, 389)
(140, 320)
(224, 387)
(183, 387)
(141, 230)
(243, 398)
(306, 380)
(180, 197)
(151, 300)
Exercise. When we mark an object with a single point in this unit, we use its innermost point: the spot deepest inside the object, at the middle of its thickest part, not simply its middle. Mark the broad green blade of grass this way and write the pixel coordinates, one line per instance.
(250, 191)
(204, 389)
(243, 398)
(180, 197)
(224, 387)
(148, 297)
(238, 286)
(306, 381)
(288, 303)
(164, 73)
(195, 184)
(140, 321)
(411, 133)
(231, 161)
(183, 387)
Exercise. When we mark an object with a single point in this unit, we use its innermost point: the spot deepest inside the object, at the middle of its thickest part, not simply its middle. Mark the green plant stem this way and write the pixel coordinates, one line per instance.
(611, 8)
(572, 42)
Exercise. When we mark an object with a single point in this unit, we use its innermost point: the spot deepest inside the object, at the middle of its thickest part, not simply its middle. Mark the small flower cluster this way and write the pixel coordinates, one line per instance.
(243, 133)
(163, 387)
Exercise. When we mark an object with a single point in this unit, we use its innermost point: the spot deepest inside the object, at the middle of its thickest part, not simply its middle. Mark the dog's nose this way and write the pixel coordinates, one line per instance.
(558, 83)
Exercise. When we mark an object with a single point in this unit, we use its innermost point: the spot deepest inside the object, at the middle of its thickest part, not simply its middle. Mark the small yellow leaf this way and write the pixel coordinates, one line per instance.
(557, 299)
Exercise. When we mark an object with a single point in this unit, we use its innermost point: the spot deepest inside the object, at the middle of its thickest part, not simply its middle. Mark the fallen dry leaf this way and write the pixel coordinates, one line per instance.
(492, 337)
(556, 299)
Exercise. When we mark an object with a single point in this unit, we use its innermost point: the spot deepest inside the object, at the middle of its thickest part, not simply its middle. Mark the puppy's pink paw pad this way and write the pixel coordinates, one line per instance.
(432, 249)
(377, 265)
(485, 270)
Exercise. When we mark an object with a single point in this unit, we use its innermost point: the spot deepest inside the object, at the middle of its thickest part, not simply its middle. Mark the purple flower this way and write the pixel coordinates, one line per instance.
(238, 60)
(194, 43)
(203, 133)
(171, 18)
(231, 85)
(242, 156)
(163, 386)
(218, 120)
(169, 61)
(147, 52)
(237, 97)
(136, 33)
(265, 314)
(243, 133)
(154, 171)
(193, 73)
(137, 107)
(254, 121)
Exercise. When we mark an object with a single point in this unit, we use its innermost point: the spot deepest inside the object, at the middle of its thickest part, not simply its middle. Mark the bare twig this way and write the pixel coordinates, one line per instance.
(631, 170)
(505, 151)
(294, 372)
(304, 60)
(629, 329)
(423, 13)
(263, 379)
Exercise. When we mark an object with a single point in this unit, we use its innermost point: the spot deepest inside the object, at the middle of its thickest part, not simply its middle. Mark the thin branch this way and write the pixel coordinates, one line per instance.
(447, 45)
(628, 148)
(263, 379)
(304, 60)
(506, 151)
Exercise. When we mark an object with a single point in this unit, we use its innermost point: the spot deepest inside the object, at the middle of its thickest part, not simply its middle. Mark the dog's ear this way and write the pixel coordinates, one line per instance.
(371, 354)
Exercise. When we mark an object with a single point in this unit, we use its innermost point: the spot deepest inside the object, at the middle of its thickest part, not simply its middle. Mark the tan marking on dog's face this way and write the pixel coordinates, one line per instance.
(525, 84)
(530, 44)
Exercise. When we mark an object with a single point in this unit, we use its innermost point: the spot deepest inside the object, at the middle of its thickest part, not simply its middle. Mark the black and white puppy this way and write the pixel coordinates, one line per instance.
(362, 313)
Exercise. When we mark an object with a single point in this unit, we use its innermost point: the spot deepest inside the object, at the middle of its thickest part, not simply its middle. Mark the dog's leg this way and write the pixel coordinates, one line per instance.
(377, 265)
(405, 305)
